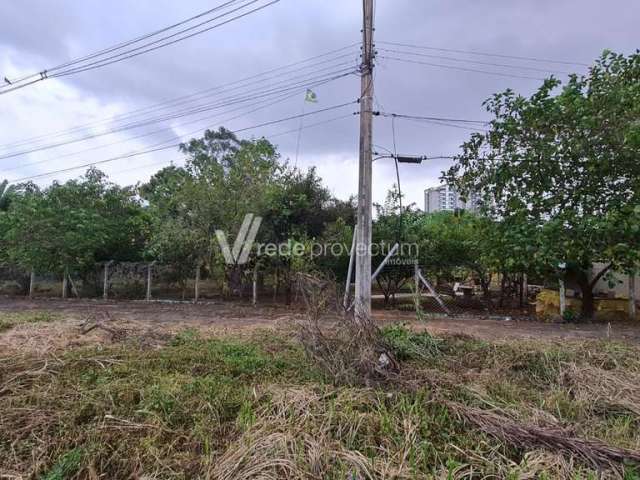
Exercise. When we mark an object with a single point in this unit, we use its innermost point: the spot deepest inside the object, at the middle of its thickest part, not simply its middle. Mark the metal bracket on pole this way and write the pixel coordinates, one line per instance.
(352, 257)
(433, 292)
(391, 253)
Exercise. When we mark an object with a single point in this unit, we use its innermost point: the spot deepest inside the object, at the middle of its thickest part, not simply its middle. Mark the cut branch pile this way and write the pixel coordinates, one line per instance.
(97, 320)
(351, 350)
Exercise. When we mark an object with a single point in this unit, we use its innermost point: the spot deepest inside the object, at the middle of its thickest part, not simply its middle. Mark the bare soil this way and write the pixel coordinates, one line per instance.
(153, 323)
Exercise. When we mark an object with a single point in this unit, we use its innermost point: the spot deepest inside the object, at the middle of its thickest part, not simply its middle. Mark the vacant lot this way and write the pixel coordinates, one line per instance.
(134, 390)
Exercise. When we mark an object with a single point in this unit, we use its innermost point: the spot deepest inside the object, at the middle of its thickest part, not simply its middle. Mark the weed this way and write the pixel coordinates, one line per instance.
(409, 345)
(66, 466)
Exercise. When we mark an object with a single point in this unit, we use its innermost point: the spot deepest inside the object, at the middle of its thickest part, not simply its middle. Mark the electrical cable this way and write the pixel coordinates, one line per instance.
(171, 129)
(477, 62)
(308, 81)
(121, 57)
(295, 130)
(47, 73)
(395, 158)
(464, 69)
(485, 54)
(440, 119)
(127, 43)
(174, 145)
(185, 99)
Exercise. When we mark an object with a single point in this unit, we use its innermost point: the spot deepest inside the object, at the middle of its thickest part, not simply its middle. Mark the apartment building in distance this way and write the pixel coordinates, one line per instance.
(446, 198)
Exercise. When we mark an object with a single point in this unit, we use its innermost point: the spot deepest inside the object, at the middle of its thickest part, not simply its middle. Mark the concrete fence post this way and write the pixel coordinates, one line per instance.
(105, 285)
(196, 293)
(255, 285)
(632, 296)
(32, 282)
(64, 282)
(563, 298)
(149, 275)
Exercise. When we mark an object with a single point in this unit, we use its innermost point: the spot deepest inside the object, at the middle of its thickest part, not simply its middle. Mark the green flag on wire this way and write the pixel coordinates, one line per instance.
(310, 96)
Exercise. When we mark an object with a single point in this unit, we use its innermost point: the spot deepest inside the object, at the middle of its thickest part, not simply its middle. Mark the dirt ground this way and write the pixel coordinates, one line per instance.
(154, 323)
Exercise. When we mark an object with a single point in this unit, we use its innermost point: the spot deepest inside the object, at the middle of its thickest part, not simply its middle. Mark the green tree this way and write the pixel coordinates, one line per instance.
(73, 225)
(565, 163)
(224, 179)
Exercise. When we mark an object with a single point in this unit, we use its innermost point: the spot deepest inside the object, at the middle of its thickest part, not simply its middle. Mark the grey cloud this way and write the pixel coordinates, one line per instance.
(291, 30)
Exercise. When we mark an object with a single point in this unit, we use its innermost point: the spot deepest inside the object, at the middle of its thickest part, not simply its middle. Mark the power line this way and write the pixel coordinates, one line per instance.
(477, 62)
(395, 159)
(439, 65)
(452, 125)
(126, 43)
(262, 105)
(175, 145)
(294, 130)
(309, 81)
(140, 50)
(189, 98)
(59, 70)
(170, 129)
(44, 74)
(443, 119)
(484, 54)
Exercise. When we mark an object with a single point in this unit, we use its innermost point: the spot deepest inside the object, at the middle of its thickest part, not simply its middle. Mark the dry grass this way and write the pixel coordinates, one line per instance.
(258, 406)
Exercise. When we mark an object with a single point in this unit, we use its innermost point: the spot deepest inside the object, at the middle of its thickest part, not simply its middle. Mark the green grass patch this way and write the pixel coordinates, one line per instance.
(235, 407)
(9, 320)
(409, 345)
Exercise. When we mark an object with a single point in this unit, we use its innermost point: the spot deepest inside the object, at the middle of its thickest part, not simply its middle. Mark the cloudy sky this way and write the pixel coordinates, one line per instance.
(39, 34)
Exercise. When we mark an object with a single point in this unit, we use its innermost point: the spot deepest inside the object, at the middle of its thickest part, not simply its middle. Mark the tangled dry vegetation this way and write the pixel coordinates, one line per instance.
(267, 406)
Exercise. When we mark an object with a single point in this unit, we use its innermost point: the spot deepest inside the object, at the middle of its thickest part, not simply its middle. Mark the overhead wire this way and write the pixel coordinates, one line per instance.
(262, 105)
(477, 62)
(140, 50)
(395, 158)
(175, 145)
(71, 68)
(185, 99)
(294, 130)
(485, 54)
(252, 95)
(464, 69)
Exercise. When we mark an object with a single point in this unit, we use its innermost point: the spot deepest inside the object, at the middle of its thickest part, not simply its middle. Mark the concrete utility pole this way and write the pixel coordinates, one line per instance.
(363, 248)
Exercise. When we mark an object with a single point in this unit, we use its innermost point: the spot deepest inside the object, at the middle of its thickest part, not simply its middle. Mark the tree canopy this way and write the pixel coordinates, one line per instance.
(561, 167)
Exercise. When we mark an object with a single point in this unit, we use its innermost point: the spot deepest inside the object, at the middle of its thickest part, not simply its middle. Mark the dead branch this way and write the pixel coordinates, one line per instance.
(499, 425)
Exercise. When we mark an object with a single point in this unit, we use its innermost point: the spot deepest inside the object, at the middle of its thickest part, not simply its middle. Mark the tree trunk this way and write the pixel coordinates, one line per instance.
(385, 289)
(588, 307)
(586, 289)
(503, 287)
(234, 279)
